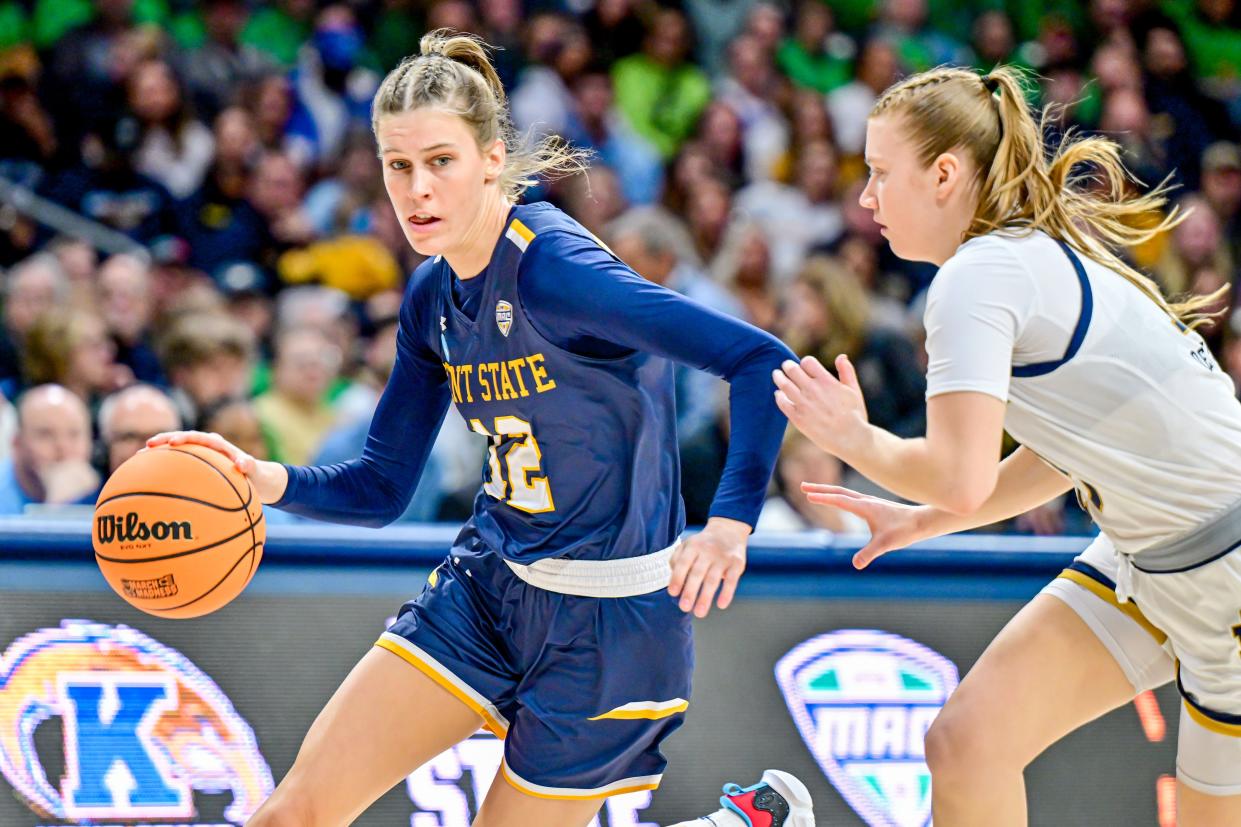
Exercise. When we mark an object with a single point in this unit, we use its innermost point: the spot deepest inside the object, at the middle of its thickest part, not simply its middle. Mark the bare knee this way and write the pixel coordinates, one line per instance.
(276, 817)
(958, 748)
(283, 810)
(945, 751)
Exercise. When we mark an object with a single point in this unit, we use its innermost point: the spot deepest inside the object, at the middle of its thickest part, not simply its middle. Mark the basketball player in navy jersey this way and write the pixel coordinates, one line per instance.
(560, 619)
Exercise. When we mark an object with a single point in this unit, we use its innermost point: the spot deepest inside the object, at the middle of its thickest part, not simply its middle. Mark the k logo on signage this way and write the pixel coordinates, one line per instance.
(863, 701)
(143, 728)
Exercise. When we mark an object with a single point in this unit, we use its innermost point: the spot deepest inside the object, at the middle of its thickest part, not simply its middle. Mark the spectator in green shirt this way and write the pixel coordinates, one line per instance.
(281, 29)
(14, 25)
(1212, 33)
(815, 57)
(396, 31)
(994, 42)
(658, 91)
(906, 24)
(219, 64)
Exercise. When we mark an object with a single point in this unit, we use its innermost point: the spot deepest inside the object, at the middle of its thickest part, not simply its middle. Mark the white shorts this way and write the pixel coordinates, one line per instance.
(1188, 618)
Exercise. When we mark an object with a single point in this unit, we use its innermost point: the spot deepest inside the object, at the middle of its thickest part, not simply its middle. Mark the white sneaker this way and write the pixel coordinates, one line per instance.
(778, 800)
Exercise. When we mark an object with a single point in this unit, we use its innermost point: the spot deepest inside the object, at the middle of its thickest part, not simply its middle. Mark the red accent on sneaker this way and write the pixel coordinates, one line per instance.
(745, 802)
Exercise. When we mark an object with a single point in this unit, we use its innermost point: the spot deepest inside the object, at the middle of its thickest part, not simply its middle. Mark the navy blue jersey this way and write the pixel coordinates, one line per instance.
(583, 453)
(561, 364)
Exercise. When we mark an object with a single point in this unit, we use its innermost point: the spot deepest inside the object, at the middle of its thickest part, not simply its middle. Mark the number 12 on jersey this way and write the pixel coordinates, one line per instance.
(514, 478)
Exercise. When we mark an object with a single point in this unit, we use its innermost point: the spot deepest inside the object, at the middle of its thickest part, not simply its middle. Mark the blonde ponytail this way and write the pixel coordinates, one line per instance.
(453, 73)
(1021, 189)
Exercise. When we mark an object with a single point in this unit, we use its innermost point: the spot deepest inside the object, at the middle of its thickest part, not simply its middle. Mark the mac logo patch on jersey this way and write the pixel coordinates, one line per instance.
(504, 316)
(863, 700)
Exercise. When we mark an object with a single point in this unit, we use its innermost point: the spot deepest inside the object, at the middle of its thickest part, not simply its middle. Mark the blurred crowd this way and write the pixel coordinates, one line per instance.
(230, 140)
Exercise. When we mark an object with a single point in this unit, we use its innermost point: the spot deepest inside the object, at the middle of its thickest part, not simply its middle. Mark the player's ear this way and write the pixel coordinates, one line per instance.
(494, 158)
(947, 170)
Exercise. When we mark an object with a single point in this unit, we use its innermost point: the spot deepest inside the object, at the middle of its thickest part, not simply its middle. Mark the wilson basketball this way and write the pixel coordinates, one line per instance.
(178, 531)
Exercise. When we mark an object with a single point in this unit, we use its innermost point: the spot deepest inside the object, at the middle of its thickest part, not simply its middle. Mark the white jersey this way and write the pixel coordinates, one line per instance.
(1100, 382)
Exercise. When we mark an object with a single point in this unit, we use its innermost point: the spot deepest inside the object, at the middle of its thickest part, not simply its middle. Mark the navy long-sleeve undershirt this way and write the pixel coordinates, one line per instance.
(587, 302)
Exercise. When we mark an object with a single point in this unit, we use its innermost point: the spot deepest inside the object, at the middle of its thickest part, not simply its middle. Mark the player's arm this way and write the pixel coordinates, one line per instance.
(954, 467)
(976, 310)
(580, 296)
(375, 489)
(1024, 482)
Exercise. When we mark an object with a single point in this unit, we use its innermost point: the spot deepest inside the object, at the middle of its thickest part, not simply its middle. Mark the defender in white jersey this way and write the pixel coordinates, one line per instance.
(1035, 326)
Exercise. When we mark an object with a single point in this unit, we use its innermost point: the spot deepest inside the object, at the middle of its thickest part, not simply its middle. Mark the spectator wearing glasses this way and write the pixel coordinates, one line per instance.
(131, 416)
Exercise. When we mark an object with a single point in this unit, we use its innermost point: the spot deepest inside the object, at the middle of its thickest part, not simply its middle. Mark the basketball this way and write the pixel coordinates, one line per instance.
(178, 531)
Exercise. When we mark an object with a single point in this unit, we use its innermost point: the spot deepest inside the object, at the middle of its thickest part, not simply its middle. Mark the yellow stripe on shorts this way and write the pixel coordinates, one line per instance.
(1207, 722)
(1109, 596)
(497, 727)
(651, 710)
(627, 785)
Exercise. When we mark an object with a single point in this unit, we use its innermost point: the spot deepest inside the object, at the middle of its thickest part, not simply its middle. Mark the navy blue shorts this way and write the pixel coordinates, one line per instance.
(583, 690)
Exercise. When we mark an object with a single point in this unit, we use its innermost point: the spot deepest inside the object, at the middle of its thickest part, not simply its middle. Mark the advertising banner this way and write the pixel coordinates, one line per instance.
(111, 717)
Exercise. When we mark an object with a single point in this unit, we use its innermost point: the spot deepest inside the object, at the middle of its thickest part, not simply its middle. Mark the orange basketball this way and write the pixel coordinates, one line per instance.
(178, 531)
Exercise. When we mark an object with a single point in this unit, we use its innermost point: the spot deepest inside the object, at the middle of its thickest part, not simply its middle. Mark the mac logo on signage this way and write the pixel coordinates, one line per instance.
(863, 701)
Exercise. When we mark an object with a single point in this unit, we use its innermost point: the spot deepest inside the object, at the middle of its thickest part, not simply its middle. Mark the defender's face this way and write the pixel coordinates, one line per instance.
(900, 192)
(436, 176)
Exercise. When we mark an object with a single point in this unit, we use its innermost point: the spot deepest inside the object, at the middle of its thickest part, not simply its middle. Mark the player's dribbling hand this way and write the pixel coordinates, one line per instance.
(712, 559)
(892, 525)
(829, 411)
(269, 479)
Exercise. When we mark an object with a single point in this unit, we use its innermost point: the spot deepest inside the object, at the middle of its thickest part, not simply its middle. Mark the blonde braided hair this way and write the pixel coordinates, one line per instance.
(1020, 188)
(453, 73)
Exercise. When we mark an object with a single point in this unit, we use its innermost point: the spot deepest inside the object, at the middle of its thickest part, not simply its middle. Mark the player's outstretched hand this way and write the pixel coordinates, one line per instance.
(268, 478)
(892, 525)
(712, 559)
(831, 412)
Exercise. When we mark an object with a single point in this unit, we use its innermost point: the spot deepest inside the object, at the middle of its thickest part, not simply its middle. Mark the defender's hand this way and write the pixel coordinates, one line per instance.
(829, 411)
(892, 525)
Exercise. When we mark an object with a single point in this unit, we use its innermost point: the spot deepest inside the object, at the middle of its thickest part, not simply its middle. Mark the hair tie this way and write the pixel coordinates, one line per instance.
(991, 83)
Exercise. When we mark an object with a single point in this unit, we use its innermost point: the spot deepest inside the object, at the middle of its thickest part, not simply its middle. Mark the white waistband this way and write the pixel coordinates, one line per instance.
(600, 578)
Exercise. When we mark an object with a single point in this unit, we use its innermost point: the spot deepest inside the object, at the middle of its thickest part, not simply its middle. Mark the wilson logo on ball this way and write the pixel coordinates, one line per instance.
(128, 528)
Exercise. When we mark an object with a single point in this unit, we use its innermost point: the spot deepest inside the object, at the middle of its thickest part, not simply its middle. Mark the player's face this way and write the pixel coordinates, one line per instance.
(437, 178)
(900, 191)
